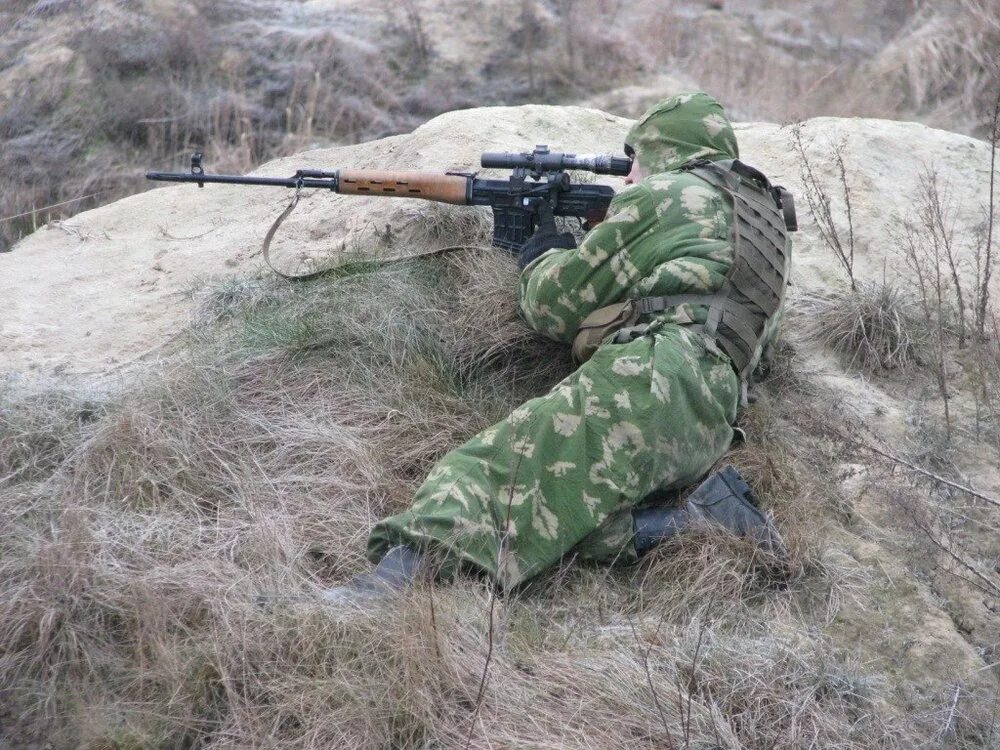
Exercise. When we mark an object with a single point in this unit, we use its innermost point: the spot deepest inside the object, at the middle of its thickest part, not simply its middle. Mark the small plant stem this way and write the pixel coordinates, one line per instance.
(820, 206)
(434, 625)
(644, 654)
(920, 470)
(839, 157)
(981, 582)
(946, 729)
(501, 545)
(984, 289)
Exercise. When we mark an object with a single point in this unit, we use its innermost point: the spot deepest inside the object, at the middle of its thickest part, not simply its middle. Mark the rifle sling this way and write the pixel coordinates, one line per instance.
(266, 247)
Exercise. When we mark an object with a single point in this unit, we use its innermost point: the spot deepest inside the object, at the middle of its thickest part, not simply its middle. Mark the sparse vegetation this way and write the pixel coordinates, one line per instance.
(984, 248)
(123, 88)
(134, 552)
(943, 62)
(144, 514)
(837, 238)
(927, 242)
(138, 541)
(875, 326)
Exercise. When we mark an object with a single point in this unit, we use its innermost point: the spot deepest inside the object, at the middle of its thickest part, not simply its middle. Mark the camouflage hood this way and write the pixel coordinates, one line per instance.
(681, 128)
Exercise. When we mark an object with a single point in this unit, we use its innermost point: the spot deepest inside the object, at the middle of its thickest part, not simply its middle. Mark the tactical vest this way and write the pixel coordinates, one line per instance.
(753, 289)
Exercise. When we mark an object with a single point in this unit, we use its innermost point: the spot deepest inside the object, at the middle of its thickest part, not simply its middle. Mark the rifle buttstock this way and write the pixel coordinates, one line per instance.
(427, 185)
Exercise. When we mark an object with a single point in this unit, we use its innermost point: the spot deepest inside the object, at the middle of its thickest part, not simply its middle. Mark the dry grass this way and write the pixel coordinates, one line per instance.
(140, 525)
(135, 545)
(142, 85)
(41, 425)
(875, 327)
(943, 63)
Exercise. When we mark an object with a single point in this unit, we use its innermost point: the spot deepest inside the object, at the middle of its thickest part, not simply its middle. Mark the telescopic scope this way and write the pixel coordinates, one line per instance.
(542, 160)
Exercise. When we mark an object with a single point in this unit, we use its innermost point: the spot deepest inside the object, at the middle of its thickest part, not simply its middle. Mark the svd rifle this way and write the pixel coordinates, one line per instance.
(538, 190)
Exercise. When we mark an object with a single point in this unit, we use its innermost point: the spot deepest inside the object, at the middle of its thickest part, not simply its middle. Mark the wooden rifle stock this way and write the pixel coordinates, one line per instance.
(444, 188)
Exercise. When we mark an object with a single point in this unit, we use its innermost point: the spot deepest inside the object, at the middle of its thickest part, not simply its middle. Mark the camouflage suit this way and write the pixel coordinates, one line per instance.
(561, 474)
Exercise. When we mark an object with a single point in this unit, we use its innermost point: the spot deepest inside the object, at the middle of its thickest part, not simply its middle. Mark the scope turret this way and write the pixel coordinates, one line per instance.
(541, 160)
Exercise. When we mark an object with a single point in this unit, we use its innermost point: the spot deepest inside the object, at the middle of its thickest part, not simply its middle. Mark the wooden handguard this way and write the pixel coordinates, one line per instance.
(444, 188)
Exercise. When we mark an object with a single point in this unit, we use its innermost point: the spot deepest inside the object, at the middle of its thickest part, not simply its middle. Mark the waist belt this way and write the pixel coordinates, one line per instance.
(649, 305)
(621, 320)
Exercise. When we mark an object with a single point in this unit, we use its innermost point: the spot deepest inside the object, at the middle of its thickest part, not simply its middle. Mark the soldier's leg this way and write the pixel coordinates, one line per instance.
(723, 499)
(610, 543)
(517, 497)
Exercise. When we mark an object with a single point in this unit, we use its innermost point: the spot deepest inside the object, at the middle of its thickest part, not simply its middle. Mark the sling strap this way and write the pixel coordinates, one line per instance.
(291, 275)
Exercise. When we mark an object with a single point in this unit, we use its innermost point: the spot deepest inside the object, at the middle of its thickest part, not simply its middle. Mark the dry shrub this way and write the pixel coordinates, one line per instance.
(944, 61)
(200, 664)
(441, 225)
(704, 574)
(876, 326)
(838, 239)
(146, 83)
(248, 80)
(142, 629)
(303, 413)
(551, 49)
(781, 63)
(985, 384)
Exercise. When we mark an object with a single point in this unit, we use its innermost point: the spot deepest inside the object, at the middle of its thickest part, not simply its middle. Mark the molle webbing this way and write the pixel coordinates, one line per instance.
(755, 285)
(738, 314)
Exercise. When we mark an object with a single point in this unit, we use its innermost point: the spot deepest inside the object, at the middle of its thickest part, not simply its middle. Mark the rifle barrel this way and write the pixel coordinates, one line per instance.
(330, 183)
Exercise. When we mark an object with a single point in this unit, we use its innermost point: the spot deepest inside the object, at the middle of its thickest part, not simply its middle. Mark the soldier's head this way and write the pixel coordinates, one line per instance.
(678, 129)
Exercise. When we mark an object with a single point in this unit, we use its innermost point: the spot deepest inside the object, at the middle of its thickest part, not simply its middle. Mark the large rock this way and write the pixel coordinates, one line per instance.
(106, 286)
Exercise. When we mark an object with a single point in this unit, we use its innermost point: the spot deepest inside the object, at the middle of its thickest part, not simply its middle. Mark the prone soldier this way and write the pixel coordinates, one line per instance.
(669, 304)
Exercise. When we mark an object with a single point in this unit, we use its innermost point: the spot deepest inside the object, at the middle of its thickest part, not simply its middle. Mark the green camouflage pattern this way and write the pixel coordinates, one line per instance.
(681, 128)
(560, 475)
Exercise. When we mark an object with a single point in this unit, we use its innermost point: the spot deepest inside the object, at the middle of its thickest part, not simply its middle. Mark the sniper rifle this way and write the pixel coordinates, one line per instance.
(538, 189)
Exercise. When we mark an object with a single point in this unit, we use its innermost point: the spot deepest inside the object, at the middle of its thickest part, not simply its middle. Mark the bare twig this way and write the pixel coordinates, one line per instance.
(820, 205)
(34, 211)
(686, 720)
(501, 544)
(938, 219)
(946, 729)
(984, 289)
(165, 233)
(920, 470)
(644, 655)
(993, 717)
(434, 626)
(923, 245)
(838, 156)
(979, 580)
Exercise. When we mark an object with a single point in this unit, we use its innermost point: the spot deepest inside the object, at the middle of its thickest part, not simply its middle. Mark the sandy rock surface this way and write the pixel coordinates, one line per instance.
(106, 287)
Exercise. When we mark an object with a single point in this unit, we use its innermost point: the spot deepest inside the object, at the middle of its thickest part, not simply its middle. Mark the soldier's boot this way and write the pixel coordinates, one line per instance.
(401, 567)
(724, 499)
(652, 526)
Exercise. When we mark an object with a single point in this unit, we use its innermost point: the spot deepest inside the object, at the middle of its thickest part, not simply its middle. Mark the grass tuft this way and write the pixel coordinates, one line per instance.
(875, 327)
